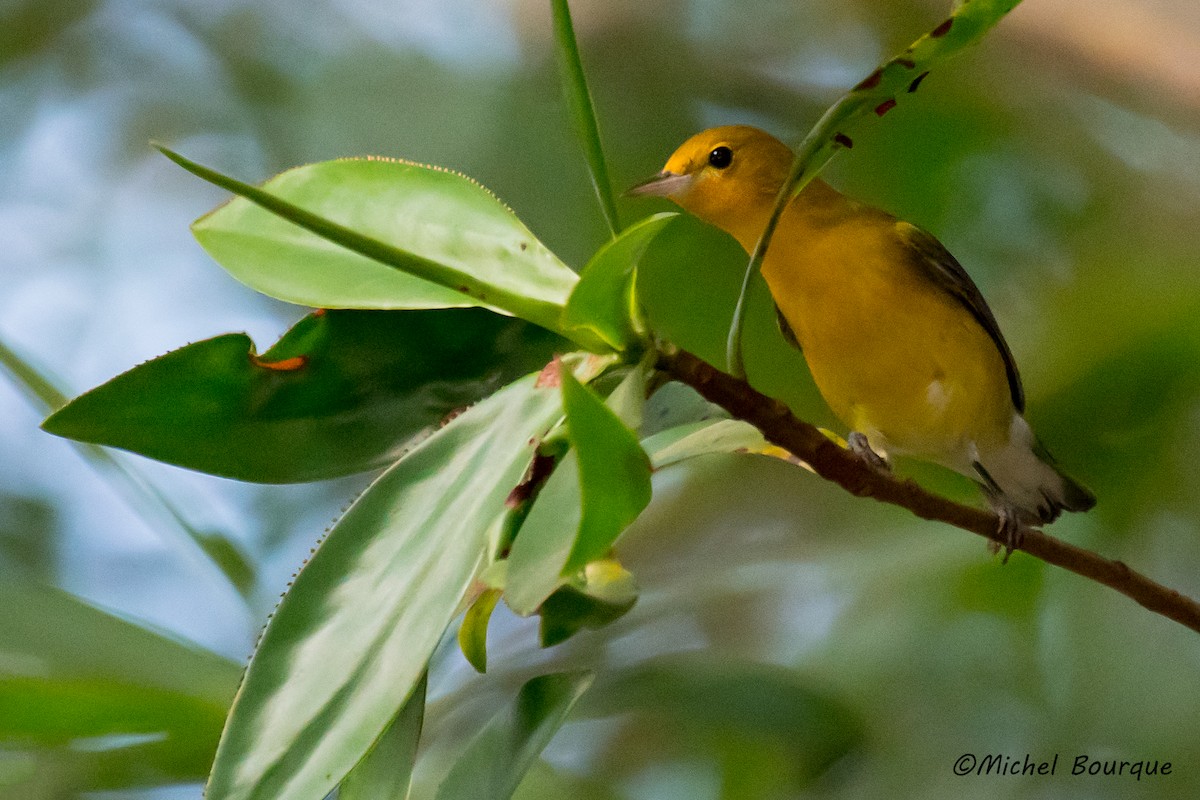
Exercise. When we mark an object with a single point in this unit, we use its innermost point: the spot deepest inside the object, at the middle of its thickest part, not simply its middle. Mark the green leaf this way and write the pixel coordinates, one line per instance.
(381, 234)
(675, 404)
(352, 638)
(497, 759)
(688, 283)
(614, 472)
(701, 438)
(341, 392)
(229, 558)
(602, 594)
(603, 304)
(55, 712)
(596, 491)
(125, 764)
(90, 702)
(99, 734)
(472, 635)
(386, 772)
(583, 113)
(544, 542)
(628, 400)
(36, 385)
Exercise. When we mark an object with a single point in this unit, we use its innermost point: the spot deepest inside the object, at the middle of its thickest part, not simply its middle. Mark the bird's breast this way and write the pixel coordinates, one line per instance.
(894, 355)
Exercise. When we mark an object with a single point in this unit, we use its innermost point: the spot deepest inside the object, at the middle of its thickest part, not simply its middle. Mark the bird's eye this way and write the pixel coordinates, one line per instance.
(721, 157)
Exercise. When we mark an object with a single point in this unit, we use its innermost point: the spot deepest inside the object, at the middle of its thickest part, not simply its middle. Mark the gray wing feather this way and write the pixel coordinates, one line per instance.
(937, 262)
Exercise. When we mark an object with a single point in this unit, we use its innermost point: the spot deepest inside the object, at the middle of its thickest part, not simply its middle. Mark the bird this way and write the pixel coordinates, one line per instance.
(899, 340)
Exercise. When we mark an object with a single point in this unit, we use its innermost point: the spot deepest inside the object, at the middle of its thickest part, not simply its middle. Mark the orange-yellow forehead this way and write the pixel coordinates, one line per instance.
(693, 153)
(744, 139)
(735, 190)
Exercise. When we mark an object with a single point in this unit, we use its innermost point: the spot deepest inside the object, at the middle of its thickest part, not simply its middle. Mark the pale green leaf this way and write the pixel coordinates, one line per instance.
(595, 492)
(604, 304)
(702, 438)
(543, 545)
(382, 234)
(353, 636)
(472, 635)
(386, 772)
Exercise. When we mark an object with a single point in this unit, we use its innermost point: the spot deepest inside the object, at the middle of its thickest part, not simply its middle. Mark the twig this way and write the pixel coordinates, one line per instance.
(836, 464)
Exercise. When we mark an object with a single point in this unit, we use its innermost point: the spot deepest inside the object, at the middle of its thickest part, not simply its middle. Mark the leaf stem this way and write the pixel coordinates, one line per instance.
(583, 112)
(37, 387)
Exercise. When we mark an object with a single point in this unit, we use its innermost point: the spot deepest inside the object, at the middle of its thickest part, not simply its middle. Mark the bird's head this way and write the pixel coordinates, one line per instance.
(727, 176)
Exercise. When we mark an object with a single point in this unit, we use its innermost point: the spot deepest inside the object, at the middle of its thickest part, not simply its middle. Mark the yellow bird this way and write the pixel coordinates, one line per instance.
(900, 342)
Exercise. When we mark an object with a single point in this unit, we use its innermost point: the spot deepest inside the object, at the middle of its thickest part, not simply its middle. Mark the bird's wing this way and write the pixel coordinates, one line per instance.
(785, 328)
(932, 258)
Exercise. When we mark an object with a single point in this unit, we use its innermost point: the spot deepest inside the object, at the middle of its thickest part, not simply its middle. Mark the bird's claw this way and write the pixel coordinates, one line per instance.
(858, 444)
(1009, 530)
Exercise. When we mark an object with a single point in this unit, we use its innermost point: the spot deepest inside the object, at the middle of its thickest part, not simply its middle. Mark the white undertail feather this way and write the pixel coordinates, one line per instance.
(1021, 476)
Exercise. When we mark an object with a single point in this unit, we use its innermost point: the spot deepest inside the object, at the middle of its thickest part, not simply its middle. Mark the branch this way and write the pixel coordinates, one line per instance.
(836, 464)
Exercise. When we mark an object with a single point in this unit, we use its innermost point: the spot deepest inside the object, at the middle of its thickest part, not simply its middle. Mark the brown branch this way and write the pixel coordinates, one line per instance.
(836, 464)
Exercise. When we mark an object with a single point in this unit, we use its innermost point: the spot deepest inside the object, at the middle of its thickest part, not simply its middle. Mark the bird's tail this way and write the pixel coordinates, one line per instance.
(1022, 476)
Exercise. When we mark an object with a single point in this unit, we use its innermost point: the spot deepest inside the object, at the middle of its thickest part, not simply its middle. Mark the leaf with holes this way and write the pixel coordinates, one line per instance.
(341, 392)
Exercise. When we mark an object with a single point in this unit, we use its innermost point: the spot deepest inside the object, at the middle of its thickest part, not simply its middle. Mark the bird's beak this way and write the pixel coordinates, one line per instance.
(664, 184)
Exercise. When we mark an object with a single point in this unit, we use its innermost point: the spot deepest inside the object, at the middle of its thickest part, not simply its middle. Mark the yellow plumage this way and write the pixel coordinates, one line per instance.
(899, 340)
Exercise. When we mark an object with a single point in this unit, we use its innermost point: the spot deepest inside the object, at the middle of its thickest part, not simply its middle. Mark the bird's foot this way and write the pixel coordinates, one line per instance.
(858, 444)
(1010, 531)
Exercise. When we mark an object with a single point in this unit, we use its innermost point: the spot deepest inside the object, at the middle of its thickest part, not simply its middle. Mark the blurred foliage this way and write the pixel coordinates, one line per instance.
(496, 760)
(1067, 189)
(771, 733)
(27, 538)
(88, 700)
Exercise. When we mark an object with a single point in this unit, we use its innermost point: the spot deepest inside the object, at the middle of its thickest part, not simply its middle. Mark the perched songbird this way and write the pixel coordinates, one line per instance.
(900, 342)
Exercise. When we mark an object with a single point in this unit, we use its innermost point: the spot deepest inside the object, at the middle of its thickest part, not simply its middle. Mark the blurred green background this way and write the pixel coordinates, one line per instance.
(791, 641)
